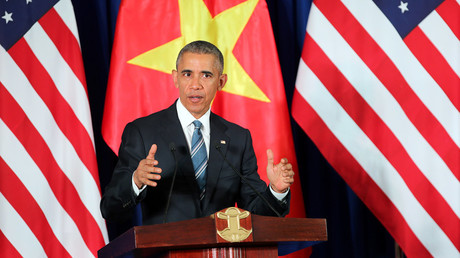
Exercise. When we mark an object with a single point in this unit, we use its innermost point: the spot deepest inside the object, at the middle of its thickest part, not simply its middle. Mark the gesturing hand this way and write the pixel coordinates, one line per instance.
(281, 175)
(147, 172)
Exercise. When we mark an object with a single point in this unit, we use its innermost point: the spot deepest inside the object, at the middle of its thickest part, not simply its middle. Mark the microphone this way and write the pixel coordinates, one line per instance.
(217, 146)
(172, 148)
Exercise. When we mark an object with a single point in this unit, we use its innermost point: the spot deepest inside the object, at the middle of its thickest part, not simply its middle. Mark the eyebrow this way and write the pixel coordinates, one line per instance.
(207, 72)
(190, 71)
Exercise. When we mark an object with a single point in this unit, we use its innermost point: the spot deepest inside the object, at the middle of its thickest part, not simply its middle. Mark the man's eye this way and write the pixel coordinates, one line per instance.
(207, 75)
(187, 74)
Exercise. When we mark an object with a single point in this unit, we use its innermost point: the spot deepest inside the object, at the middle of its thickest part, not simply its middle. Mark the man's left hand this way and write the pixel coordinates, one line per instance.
(281, 175)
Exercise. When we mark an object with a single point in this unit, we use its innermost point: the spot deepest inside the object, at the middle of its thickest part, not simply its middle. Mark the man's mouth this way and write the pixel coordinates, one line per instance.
(195, 98)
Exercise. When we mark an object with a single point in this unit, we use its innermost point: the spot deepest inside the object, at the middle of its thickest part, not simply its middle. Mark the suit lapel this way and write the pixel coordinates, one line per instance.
(215, 161)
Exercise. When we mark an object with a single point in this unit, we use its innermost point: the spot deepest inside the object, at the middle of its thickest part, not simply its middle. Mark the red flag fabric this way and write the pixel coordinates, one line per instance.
(147, 40)
(49, 185)
(378, 91)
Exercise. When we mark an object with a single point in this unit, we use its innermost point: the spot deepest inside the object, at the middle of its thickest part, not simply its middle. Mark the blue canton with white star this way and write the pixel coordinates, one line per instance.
(17, 16)
(405, 15)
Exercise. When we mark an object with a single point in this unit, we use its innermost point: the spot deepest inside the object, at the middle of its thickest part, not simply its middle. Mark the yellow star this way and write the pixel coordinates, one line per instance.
(223, 30)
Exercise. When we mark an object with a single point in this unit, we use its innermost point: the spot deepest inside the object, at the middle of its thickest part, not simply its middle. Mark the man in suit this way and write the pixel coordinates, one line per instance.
(153, 147)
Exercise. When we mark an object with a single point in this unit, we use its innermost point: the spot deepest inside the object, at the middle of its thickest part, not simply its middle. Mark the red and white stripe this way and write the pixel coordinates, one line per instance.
(49, 184)
(384, 111)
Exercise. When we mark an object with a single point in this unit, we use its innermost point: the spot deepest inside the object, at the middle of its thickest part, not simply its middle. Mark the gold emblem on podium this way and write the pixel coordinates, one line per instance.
(237, 220)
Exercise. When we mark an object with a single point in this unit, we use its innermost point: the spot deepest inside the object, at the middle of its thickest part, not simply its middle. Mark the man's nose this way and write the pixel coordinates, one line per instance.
(196, 82)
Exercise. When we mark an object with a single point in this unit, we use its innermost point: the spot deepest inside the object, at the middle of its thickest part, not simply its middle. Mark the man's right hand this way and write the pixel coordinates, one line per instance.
(147, 173)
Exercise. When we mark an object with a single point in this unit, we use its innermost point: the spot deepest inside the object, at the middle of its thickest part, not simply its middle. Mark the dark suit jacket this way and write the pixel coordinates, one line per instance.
(223, 188)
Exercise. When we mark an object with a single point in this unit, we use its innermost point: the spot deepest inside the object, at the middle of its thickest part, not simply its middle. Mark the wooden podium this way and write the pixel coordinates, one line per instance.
(231, 232)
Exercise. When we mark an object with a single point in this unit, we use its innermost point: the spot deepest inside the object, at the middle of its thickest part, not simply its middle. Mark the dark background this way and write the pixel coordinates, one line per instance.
(352, 229)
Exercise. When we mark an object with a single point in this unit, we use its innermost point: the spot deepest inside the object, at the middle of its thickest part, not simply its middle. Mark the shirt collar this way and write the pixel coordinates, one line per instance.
(186, 118)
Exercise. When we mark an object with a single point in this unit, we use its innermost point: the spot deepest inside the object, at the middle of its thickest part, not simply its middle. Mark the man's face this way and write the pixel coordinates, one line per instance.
(198, 80)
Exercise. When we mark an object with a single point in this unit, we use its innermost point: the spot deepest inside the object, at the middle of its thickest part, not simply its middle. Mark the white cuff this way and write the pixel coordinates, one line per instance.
(279, 196)
(137, 191)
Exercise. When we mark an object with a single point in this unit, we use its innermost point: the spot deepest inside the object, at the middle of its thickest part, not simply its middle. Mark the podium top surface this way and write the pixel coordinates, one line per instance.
(201, 233)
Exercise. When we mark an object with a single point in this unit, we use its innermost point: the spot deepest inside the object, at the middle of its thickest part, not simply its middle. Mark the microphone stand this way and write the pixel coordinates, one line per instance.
(172, 148)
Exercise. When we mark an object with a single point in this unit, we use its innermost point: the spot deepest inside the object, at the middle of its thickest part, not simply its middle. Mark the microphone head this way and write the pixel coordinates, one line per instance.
(217, 145)
(172, 146)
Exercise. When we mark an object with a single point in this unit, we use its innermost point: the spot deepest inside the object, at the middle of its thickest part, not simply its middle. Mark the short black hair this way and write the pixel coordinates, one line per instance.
(202, 47)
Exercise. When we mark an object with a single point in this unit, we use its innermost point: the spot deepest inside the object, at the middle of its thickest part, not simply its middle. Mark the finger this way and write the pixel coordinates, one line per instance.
(149, 169)
(289, 180)
(150, 183)
(146, 166)
(287, 167)
(150, 162)
(269, 157)
(148, 178)
(289, 174)
(152, 176)
(157, 170)
(152, 152)
(284, 161)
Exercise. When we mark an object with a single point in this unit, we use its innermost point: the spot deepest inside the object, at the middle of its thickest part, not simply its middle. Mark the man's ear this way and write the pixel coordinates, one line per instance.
(222, 81)
(174, 74)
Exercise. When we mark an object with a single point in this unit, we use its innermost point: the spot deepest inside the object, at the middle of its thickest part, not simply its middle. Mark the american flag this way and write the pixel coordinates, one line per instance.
(378, 91)
(49, 186)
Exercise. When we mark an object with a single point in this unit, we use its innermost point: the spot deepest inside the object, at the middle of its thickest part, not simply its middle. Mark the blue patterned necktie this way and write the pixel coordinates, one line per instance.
(199, 158)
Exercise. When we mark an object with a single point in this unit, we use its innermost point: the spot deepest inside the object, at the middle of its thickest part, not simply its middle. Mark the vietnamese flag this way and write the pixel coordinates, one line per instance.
(148, 38)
